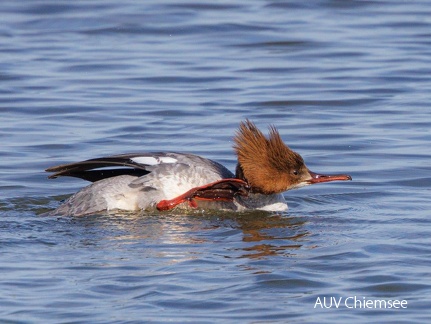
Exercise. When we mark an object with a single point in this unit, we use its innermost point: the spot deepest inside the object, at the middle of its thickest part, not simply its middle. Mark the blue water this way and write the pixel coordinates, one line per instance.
(347, 83)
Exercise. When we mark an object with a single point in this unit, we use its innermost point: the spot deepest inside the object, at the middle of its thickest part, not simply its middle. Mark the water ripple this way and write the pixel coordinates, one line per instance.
(346, 83)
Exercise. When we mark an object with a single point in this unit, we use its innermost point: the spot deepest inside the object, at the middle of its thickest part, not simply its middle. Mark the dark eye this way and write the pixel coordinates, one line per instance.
(295, 172)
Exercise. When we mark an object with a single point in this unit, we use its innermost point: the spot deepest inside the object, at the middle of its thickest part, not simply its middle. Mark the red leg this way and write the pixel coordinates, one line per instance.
(222, 190)
(171, 203)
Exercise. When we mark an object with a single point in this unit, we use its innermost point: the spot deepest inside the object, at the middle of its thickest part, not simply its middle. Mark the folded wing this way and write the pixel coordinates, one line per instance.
(135, 164)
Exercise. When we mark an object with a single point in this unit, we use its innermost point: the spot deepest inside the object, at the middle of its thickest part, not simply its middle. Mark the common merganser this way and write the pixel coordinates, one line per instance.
(164, 180)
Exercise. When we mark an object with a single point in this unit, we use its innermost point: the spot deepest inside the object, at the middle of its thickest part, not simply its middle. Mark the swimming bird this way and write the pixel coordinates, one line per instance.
(164, 180)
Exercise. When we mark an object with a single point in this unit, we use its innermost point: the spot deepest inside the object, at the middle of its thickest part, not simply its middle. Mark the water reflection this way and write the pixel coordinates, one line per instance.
(252, 235)
(275, 234)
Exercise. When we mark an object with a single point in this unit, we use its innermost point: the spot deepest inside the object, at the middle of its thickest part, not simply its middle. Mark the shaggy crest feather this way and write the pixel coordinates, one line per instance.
(265, 163)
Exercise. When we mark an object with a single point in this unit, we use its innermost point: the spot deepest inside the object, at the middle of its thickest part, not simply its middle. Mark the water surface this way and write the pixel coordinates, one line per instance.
(346, 83)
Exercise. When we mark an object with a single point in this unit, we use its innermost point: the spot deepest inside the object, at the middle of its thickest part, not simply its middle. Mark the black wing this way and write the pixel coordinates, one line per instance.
(105, 167)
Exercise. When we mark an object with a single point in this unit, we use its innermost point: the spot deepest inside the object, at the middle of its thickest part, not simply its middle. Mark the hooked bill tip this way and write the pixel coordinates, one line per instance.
(319, 178)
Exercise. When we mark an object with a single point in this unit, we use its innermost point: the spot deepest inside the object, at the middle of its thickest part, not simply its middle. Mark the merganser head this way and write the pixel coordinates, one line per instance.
(269, 165)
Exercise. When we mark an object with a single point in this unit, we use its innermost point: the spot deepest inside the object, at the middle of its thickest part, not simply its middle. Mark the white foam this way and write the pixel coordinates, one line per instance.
(279, 206)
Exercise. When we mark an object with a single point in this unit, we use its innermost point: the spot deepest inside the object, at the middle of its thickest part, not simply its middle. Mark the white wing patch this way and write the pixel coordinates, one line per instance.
(151, 160)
